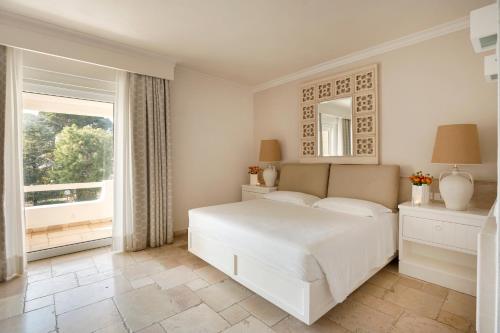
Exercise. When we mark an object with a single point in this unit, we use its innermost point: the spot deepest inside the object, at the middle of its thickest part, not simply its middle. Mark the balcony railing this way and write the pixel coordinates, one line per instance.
(71, 212)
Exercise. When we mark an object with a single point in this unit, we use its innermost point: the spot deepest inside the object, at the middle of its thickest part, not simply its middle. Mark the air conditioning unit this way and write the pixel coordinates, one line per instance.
(491, 67)
(483, 28)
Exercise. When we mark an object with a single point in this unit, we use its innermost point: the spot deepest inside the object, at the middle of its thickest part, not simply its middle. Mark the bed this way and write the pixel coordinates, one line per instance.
(305, 260)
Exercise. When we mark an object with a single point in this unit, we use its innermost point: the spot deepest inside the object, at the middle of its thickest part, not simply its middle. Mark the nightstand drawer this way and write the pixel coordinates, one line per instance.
(250, 195)
(441, 233)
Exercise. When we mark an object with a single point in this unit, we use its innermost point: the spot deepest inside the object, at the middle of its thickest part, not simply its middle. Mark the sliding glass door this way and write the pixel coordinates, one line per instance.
(68, 174)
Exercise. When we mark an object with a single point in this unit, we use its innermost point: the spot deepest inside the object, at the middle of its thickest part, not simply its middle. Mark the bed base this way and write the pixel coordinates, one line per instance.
(306, 301)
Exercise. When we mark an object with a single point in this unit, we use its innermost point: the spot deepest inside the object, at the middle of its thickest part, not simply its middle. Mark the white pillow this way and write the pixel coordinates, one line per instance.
(297, 198)
(352, 206)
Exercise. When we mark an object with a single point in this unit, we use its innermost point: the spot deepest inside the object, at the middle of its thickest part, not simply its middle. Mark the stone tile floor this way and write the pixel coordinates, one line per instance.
(169, 290)
(39, 240)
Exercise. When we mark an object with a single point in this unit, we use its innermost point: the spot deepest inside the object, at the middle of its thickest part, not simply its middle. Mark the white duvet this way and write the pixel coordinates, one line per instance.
(308, 243)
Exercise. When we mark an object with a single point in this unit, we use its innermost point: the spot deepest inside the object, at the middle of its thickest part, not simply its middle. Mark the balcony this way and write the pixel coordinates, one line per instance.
(69, 222)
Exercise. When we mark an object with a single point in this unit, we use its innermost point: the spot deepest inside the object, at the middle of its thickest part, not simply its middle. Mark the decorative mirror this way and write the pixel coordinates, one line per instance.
(339, 118)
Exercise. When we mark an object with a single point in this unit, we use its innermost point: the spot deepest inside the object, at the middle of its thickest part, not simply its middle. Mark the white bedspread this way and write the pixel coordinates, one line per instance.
(303, 241)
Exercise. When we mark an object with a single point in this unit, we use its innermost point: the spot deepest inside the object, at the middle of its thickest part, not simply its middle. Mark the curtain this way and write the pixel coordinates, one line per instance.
(145, 173)
(12, 258)
(123, 190)
(346, 136)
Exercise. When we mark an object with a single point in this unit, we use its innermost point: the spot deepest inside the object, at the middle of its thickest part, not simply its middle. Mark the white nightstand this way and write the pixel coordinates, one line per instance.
(249, 192)
(440, 245)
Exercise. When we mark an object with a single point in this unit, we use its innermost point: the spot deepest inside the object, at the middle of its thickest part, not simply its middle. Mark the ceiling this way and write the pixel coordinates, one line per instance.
(247, 41)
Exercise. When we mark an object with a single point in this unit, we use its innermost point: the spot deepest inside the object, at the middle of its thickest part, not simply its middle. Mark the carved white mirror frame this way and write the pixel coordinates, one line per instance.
(362, 86)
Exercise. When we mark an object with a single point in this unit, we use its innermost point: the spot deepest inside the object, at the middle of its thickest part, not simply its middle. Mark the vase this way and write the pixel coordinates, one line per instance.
(254, 179)
(420, 194)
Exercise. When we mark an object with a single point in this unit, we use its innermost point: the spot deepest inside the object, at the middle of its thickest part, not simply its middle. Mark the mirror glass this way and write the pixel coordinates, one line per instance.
(335, 127)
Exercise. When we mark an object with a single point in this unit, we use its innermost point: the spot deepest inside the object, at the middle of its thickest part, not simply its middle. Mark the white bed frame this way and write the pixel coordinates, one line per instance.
(306, 301)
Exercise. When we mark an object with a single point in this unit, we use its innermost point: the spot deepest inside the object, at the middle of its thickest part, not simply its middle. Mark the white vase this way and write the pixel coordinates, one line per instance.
(254, 179)
(420, 195)
(269, 174)
(456, 189)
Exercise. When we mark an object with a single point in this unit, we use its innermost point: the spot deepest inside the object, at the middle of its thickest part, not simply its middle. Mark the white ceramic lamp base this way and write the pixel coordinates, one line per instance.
(269, 174)
(456, 189)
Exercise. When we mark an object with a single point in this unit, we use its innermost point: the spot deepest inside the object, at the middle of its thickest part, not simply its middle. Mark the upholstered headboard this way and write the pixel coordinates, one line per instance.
(306, 178)
(377, 183)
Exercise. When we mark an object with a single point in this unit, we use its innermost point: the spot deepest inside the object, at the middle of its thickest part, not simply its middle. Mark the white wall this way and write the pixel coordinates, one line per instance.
(436, 82)
(212, 135)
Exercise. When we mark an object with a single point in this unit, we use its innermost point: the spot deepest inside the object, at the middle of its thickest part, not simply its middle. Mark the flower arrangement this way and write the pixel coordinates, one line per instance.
(419, 179)
(254, 170)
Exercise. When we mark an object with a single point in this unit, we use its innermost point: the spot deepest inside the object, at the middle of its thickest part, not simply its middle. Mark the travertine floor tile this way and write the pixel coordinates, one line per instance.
(174, 277)
(435, 290)
(139, 283)
(323, 325)
(210, 274)
(460, 304)
(267, 312)
(112, 260)
(156, 328)
(371, 289)
(358, 317)
(38, 267)
(38, 277)
(197, 284)
(384, 279)
(89, 318)
(91, 293)
(145, 306)
(410, 282)
(415, 301)
(223, 294)
(142, 269)
(388, 301)
(234, 314)
(411, 323)
(197, 319)
(37, 321)
(50, 286)
(191, 261)
(15, 286)
(72, 266)
(453, 320)
(87, 272)
(183, 297)
(249, 325)
(38, 303)
(381, 305)
(11, 306)
(140, 256)
(115, 328)
(93, 278)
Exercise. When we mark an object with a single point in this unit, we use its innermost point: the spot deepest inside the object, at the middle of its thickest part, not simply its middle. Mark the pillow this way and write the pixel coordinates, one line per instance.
(352, 206)
(297, 198)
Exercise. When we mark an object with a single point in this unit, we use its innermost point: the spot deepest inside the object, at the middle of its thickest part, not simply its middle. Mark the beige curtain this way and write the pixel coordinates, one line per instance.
(12, 255)
(3, 81)
(151, 165)
(346, 136)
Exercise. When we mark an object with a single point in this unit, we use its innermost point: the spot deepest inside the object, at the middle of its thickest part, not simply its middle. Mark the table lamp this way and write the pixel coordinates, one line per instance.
(456, 145)
(270, 152)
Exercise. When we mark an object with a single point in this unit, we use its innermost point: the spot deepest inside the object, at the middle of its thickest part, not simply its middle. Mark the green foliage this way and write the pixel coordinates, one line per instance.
(38, 150)
(65, 148)
(82, 154)
(58, 121)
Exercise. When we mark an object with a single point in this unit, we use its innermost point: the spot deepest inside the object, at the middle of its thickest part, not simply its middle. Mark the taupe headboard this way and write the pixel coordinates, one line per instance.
(304, 177)
(377, 183)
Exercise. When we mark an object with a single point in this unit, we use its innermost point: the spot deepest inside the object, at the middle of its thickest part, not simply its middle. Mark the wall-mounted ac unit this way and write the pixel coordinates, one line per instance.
(491, 67)
(483, 28)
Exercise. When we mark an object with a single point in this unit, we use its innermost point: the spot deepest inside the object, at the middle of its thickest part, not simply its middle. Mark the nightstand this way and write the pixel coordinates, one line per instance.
(440, 245)
(249, 192)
